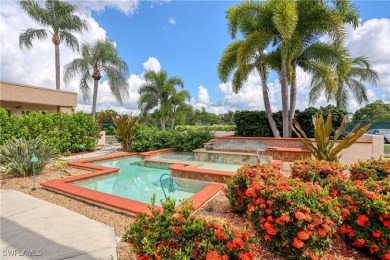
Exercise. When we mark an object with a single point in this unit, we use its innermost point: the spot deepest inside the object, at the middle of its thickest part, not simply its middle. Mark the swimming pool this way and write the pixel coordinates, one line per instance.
(139, 183)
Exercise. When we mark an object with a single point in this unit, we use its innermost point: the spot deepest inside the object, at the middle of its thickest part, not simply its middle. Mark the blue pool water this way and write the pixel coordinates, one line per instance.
(139, 183)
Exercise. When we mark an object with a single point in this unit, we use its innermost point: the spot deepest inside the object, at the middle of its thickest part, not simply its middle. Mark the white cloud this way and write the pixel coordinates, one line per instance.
(127, 7)
(172, 20)
(371, 39)
(152, 64)
(203, 95)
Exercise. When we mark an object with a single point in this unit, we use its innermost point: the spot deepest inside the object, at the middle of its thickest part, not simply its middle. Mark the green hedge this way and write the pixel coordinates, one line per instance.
(222, 128)
(152, 138)
(65, 132)
(255, 123)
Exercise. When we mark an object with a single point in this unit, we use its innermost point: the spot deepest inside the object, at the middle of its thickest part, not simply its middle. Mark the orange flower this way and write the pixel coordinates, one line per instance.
(359, 242)
(362, 220)
(299, 215)
(230, 246)
(220, 235)
(245, 256)
(376, 233)
(238, 242)
(321, 232)
(213, 255)
(216, 225)
(267, 237)
(304, 234)
(246, 235)
(372, 195)
(270, 229)
(298, 243)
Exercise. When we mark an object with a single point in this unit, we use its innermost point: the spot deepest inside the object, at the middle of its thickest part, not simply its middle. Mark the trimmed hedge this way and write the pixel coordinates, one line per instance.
(255, 123)
(65, 132)
(152, 138)
(222, 128)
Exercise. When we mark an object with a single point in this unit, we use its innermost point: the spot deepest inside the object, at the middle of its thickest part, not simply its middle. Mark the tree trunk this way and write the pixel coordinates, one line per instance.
(58, 66)
(162, 121)
(94, 98)
(268, 110)
(173, 123)
(284, 92)
(293, 99)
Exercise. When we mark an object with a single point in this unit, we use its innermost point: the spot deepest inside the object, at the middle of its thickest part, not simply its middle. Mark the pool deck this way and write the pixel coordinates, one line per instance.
(35, 229)
(117, 203)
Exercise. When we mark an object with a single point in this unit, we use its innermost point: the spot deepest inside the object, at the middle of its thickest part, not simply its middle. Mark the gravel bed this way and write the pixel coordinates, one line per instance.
(216, 208)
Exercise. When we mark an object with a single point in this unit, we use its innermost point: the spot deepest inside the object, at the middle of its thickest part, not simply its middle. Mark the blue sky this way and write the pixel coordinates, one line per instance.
(185, 38)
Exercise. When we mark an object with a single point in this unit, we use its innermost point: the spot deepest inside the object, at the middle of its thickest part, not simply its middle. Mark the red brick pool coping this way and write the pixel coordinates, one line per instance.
(114, 202)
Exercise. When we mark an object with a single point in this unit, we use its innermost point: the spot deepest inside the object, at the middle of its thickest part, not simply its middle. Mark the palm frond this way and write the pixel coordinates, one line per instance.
(26, 38)
(69, 39)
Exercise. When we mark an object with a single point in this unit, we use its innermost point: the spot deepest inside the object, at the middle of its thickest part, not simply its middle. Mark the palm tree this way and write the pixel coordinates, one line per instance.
(97, 59)
(60, 17)
(177, 102)
(346, 76)
(156, 92)
(247, 55)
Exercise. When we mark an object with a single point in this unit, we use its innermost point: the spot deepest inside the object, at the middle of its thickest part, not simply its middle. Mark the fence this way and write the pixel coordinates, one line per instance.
(374, 125)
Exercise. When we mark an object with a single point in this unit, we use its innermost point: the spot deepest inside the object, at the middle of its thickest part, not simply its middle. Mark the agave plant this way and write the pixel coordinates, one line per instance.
(326, 148)
(15, 155)
(126, 125)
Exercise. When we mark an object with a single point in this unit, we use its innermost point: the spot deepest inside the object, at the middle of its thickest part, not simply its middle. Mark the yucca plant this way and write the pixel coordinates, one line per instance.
(15, 155)
(325, 147)
(125, 125)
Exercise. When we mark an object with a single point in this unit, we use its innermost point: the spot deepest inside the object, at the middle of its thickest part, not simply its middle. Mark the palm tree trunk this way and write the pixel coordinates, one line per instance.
(57, 60)
(268, 110)
(284, 90)
(162, 121)
(293, 99)
(94, 98)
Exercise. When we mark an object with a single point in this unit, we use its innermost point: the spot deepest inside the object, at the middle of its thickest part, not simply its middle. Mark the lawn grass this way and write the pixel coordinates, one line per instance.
(387, 146)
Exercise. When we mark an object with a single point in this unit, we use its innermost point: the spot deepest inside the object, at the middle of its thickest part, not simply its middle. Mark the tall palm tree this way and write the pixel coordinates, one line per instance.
(177, 101)
(247, 55)
(97, 59)
(156, 92)
(344, 77)
(60, 17)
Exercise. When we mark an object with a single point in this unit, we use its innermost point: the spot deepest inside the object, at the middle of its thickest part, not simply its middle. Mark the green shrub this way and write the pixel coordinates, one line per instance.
(371, 169)
(175, 234)
(293, 218)
(366, 216)
(222, 128)
(310, 170)
(65, 132)
(238, 184)
(151, 138)
(15, 155)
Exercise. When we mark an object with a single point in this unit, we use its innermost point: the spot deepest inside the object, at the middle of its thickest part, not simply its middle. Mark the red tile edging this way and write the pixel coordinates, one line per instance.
(65, 186)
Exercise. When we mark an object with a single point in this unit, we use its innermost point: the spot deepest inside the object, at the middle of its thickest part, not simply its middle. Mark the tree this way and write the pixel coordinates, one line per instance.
(157, 92)
(375, 111)
(247, 55)
(97, 59)
(60, 17)
(177, 102)
(345, 76)
(106, 116)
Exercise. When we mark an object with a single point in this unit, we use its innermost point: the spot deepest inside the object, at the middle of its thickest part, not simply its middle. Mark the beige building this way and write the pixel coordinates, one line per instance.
(18, 99)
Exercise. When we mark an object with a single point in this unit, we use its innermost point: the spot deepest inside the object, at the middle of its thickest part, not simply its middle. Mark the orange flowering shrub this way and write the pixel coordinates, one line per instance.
(175, 234)
(294, 218)
(238, 184)
(315, 170)
(371, 169)
(366, 216)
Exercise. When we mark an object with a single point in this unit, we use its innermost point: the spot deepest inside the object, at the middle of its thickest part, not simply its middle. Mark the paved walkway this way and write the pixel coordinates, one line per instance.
(103, 151)
(35, 229)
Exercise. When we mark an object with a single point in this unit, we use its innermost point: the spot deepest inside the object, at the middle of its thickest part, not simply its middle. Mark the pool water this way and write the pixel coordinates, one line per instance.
(137, 182)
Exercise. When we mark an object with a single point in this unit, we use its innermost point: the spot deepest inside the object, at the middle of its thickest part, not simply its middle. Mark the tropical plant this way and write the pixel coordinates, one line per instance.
(373, 169)
(174, 234)
(157, 92)
(97, 59)
(60, 17)
(247, 55)
(177, 102)
(325, 148)
(345, 76)
(15, 155)
(126, 126)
